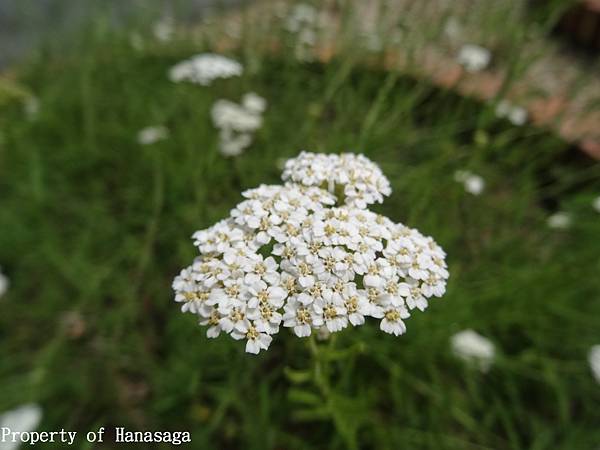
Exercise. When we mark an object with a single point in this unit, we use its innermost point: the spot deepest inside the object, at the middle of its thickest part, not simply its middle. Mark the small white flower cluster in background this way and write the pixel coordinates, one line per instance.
(560, 220)
(474, 58)
(237, 123)
(453, 29)
(362, 180)
(164, 29)
(298, 256)
(472, 347)
(3, 283)
(596, 204)
(203, 69)
(23, 419)
(594, 360)
(516, 115)
(152, 135)
(473, 184)
(304, 21)
(31, 107)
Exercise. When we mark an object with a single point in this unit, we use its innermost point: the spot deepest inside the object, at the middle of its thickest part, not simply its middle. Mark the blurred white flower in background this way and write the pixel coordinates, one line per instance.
(164, 29)
(254, 102)
(323, 334)
(560, 220)
(453, 28)
(31, 107)
(23, 419)
(3, 283)
(151, 135)
(517, 115)
(203, 69)
(474, 58)
(300, 17)
(594, 360)
(473, 183)
(474, 348)
(596, 204)
(304, 21)
(136, 41)
(237, 123)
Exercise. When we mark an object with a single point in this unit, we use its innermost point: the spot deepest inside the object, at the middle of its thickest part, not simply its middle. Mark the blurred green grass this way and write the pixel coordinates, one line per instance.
(93, 223)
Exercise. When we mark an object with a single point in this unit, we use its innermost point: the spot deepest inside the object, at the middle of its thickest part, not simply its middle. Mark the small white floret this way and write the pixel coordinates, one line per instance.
(474, 58)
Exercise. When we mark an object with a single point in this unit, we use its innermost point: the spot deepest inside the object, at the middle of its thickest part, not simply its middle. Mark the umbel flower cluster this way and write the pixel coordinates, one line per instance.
(204, 68)
(309, 254)
(237, 123)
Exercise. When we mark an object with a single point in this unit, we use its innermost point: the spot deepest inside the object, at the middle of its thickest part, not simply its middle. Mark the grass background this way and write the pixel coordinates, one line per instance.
(93, 227)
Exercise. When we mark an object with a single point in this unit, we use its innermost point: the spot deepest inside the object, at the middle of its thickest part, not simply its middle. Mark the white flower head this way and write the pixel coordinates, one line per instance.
(473, 183)
(31, 107)
(301, 16)
(301, 257)
(453, 29)
(254, 103)
(204, 68)
(164, 29)
(594, 360)
(237, 123)
(474, 348)
(560, 220)
(4, 283)
(359, 181)
(596, 204)
(474, 58)
(516, 115)
(305, 22)
(23, 419)
(152, 135)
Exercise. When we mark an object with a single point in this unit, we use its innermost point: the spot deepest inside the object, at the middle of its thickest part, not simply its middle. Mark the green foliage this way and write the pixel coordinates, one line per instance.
(93, 223)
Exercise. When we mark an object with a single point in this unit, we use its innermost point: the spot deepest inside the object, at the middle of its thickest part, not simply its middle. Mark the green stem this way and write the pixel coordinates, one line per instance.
(320, 370)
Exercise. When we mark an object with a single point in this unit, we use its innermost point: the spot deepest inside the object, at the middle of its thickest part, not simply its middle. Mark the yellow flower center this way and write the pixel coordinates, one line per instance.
(392, 315)
(303, 316)
(329, 312)
(352, 304)
(252, 333)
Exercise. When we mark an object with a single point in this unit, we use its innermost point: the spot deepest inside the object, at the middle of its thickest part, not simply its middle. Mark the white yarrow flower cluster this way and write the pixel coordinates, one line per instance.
(237, 123)
(3, 283)
(31, 107)
(517, 115)
(473, 183)
(305, 22)
(297, 256)
(23, 419)
(203, 69)
(474, 348)
(164, 29)
(474, 58)
(360, 181)
(560, 220)
(596, 204)
(594, 360)
(152, 135)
